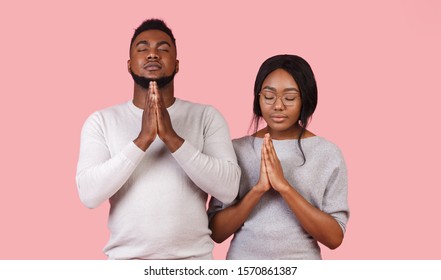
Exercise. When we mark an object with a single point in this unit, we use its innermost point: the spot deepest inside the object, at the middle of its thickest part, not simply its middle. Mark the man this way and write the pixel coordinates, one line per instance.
(155, 159)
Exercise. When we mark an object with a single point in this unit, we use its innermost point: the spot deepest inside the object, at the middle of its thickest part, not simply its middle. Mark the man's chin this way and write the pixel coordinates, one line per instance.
(144, 82)
(152, 77)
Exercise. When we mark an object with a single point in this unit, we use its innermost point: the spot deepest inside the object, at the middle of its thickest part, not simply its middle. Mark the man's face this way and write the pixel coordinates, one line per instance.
(153, 57)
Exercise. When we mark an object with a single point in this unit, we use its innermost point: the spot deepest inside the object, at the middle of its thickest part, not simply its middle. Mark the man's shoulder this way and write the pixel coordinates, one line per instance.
(197, 108)
(108, 113)
(112, 110)
(192, 105)
(118, 108)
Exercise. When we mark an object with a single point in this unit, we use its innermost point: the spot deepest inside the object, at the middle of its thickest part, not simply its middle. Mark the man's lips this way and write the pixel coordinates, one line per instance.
(152, 66)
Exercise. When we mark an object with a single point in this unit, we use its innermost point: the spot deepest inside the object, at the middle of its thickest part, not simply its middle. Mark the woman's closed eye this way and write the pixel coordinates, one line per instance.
(289, 97)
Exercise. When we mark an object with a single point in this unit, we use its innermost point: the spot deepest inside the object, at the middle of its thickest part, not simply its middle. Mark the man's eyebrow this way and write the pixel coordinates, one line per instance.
(160, 43)
(143, 42)
(163, 43)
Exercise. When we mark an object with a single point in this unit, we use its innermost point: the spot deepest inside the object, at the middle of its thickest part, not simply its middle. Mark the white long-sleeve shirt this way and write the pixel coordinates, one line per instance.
(157, 198)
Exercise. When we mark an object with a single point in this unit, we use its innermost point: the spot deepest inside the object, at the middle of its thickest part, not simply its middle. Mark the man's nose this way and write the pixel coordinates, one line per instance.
(152, 55)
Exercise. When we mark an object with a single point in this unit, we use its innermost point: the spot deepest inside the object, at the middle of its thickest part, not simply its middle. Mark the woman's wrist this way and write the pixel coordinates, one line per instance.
(283, 188)
(258, 190)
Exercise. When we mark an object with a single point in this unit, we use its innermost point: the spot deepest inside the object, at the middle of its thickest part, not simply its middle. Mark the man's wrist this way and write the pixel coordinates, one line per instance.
(173, 143)
(142, 143)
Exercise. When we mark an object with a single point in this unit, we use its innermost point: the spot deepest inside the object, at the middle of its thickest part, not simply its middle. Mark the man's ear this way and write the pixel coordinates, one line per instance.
(128, 65)
(177, 66)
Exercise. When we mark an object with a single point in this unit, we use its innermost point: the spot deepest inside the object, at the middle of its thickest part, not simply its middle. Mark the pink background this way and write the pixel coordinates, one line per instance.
(377, 64)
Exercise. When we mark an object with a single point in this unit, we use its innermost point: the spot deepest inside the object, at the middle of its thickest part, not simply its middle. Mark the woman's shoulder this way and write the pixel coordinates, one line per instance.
(244, 140)
(324, 143)
(244, 143)
(325, 147)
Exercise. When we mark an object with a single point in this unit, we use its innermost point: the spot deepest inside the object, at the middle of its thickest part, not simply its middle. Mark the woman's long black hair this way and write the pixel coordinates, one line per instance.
(302, 73)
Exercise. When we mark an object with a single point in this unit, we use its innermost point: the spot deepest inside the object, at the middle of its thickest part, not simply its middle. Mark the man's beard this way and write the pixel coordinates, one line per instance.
(145, 82)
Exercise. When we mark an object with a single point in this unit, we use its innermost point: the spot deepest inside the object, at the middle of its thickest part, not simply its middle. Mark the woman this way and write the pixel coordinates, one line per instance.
(293, 188)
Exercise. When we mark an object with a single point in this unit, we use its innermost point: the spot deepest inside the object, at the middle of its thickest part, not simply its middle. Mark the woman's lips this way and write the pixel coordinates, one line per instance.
(278, 118)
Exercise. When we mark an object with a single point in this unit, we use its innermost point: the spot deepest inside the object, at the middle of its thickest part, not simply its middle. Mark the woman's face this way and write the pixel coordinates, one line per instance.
(280, 101)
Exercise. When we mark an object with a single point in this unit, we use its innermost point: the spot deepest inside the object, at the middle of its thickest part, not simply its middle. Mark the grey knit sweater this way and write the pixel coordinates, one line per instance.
(272, 230)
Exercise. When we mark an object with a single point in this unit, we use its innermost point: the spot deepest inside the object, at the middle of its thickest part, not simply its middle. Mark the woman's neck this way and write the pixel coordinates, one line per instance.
(291, 133)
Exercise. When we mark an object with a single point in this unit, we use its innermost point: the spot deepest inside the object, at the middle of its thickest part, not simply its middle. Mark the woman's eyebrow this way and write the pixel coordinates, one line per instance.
(269, 88)
(285, 90)
(291, 89)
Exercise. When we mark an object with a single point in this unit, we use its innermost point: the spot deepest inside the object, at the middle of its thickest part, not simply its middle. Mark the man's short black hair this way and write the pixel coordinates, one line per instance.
(153, 24)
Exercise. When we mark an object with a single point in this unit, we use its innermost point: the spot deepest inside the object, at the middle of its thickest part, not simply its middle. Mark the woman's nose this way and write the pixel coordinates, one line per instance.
(278, 105)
